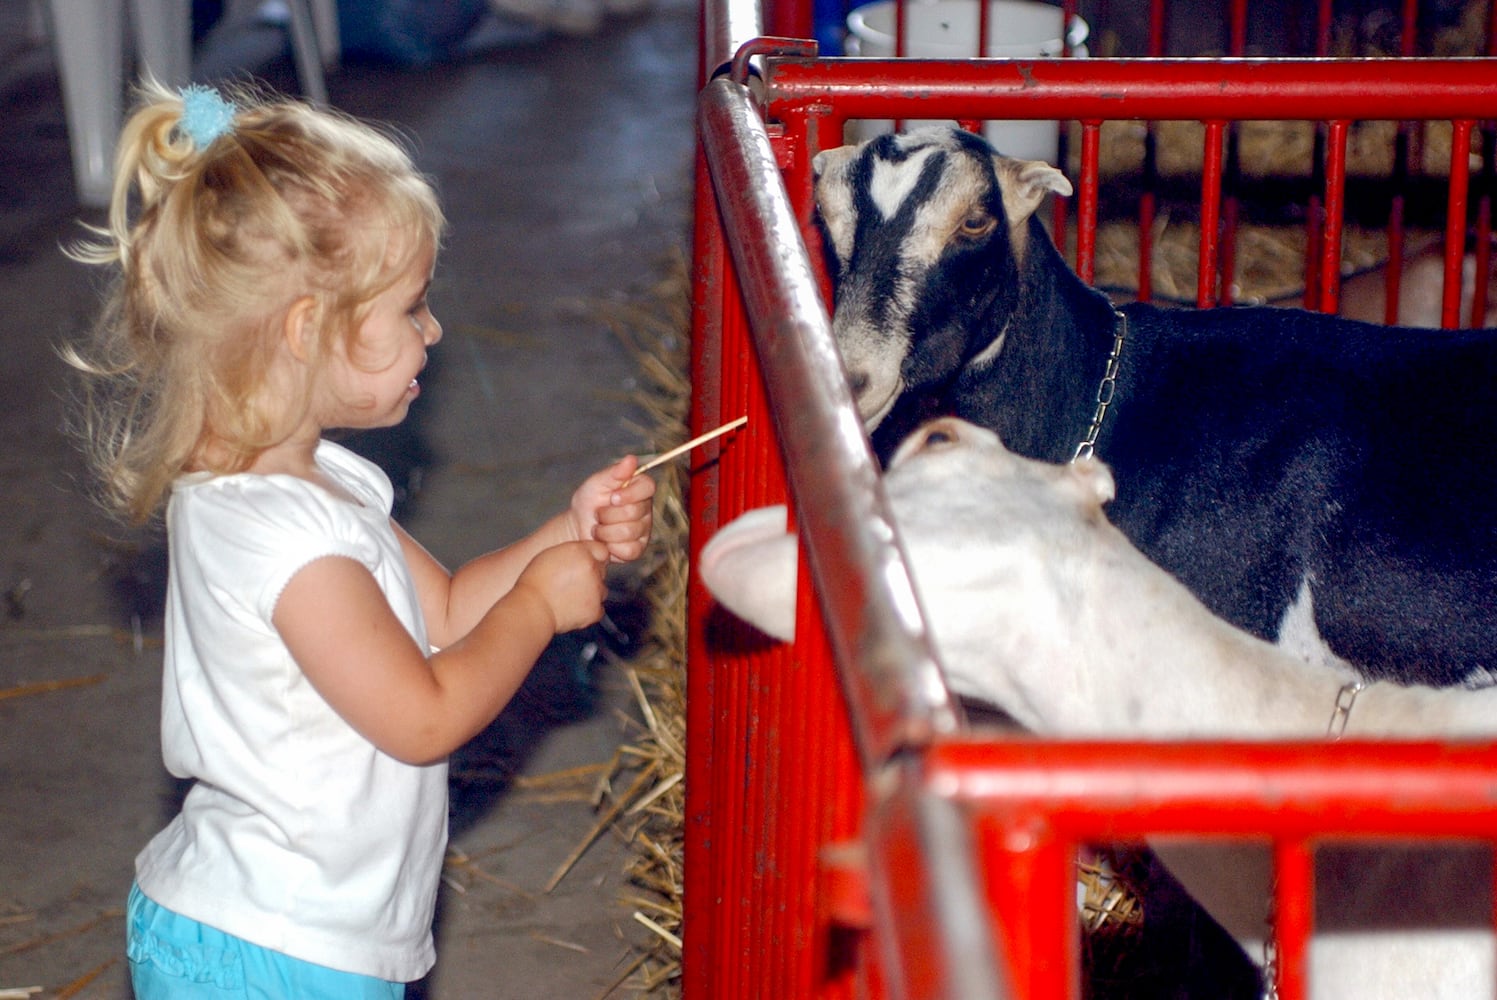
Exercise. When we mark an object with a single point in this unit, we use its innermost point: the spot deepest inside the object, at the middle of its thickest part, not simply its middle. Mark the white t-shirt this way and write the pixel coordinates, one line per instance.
(298, 834)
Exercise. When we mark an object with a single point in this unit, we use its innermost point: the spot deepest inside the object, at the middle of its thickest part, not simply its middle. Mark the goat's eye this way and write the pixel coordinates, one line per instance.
(975, 226)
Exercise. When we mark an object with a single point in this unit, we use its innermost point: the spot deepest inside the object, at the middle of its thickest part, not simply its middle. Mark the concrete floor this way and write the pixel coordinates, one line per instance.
(564, 164)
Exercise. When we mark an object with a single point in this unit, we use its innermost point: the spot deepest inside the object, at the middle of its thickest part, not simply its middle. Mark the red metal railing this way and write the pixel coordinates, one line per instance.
(845, 837)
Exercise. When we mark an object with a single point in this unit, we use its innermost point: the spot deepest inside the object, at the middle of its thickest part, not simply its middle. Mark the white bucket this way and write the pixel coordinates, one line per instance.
(947, 29)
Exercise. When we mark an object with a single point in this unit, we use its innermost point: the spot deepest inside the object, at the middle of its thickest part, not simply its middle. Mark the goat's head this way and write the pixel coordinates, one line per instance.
(927, 233)
(997, 545)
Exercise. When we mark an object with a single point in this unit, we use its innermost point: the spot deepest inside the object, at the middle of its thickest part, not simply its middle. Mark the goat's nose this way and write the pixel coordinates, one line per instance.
(858, 381)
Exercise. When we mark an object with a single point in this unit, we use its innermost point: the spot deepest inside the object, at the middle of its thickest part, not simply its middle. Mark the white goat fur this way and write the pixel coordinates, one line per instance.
(1039, 606)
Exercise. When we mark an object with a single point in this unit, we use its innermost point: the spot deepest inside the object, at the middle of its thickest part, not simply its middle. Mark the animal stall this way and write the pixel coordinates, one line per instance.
(847, 832)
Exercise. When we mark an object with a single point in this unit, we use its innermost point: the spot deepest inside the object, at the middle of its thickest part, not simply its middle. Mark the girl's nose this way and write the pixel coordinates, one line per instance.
(432, 331)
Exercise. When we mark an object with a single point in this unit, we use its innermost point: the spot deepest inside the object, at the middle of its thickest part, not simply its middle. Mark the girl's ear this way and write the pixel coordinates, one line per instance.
(299, 328)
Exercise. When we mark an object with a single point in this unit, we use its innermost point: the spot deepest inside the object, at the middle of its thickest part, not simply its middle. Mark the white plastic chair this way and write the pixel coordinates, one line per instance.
(88, 38)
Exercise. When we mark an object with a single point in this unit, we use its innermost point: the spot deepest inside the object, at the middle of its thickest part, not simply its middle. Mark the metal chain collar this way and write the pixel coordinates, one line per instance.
(1270, 958)
(1341, 714)
(1346, 697)
(1105, 391)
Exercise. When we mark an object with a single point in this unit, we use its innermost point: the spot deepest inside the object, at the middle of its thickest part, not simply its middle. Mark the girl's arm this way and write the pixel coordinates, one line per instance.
(416, 707)
(607, 507)
(490, 620)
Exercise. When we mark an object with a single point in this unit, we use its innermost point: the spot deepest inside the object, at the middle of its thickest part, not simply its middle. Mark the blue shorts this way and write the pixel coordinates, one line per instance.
(172, 956)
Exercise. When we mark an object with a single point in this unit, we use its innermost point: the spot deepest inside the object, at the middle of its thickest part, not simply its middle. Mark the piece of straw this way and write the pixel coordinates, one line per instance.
(78, 985)
(44, 687)
(602, 824)
(672, 939)
(661, 459)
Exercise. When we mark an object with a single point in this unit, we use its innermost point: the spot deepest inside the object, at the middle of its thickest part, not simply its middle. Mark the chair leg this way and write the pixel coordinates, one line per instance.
(308, 54)
(325, 20)
(86, 35)
(163, 39)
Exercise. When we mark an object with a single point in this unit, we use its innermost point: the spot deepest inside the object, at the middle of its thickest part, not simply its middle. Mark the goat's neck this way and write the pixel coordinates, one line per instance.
(1177, 670)
(1391, 710)
(1174, 669)
(1055, 343)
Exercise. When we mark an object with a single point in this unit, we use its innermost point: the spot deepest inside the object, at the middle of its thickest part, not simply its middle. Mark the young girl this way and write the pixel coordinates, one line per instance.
(273, 263)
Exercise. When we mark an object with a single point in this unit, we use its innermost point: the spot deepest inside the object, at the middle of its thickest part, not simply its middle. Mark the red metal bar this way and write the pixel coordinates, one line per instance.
(951, 947)
(1086, 202)
(801, 364)
(1029, 795)
(1211, 194)
(1225, 272)
(700, 932)
(1063, 135)
(1158, 13)
(1147, 203)
(1293, 908)
(1335, 204)
(1088, 790)
(1408, 149)
(1393, 280)
(741, 813)
(791, 18)
(1120, 89)
(1483, 248)
(831, 744)
(1031, 885)
(776, 774)
(1455, 221)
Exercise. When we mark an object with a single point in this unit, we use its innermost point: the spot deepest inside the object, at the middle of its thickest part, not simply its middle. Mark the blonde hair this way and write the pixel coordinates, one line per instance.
(210, 247)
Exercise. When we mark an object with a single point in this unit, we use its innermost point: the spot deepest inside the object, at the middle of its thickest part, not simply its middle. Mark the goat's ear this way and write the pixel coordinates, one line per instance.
(1025, 183)
(750, 565)
(1094, 477)
(830, 159)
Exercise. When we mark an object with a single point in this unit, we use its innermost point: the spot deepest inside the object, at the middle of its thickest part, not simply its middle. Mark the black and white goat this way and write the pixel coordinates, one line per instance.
(1313, 480)
(1039, 606)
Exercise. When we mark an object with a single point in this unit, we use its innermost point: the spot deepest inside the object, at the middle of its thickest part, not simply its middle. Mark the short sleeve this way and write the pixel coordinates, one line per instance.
(249, 535)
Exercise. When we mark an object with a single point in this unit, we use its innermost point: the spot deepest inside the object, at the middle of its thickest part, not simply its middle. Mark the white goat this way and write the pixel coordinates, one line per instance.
(1039, 606)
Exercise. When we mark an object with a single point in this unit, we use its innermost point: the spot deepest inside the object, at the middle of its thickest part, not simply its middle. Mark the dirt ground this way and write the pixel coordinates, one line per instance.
(564, 164)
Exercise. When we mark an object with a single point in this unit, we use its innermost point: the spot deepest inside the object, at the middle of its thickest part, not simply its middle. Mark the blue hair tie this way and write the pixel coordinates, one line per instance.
(205, 115)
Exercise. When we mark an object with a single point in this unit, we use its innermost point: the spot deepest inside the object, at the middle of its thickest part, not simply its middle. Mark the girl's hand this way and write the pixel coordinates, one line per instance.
(569, 579)
(617, 511)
